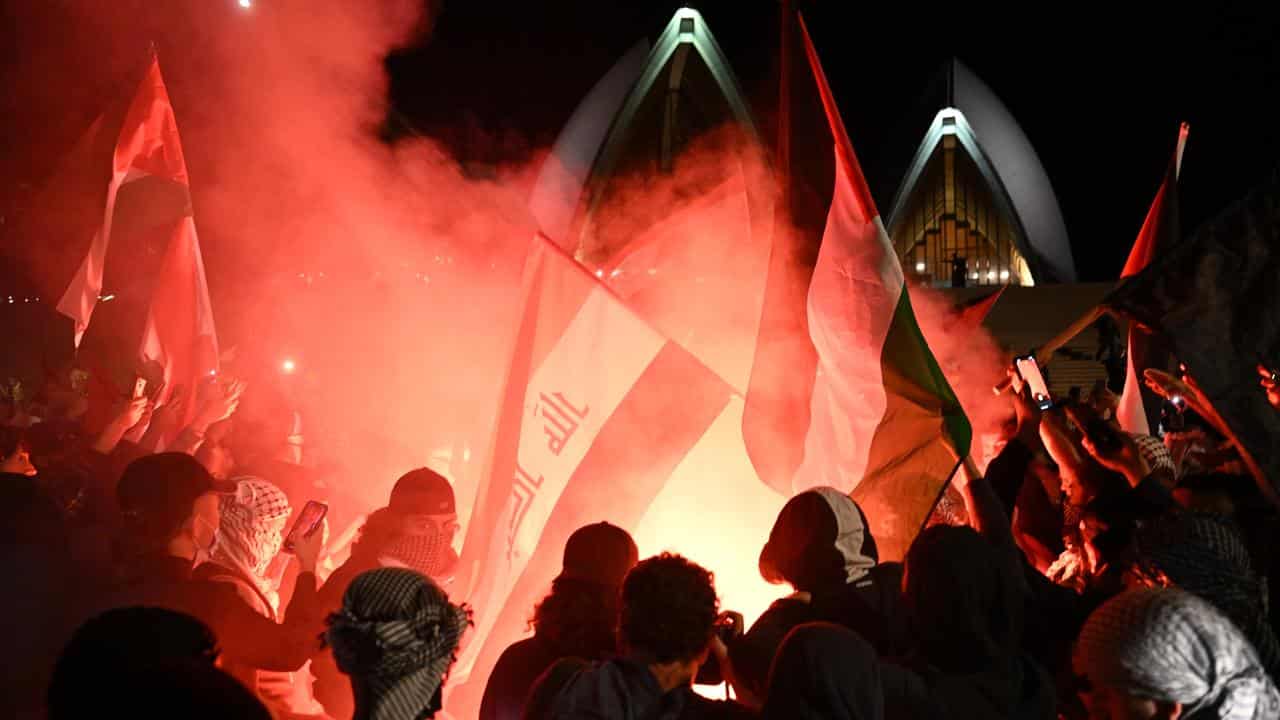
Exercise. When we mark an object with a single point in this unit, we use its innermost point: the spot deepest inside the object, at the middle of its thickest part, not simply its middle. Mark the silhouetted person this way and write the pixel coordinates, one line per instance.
(959, 271)
(89, 666)
(576, 619)
(169, 505)
(415, 531)
(35, 560)
(665, 630)
(822, 546)
(396, 636)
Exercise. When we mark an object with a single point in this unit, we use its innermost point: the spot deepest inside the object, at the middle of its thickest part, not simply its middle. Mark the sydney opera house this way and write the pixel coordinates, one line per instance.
(974, 210)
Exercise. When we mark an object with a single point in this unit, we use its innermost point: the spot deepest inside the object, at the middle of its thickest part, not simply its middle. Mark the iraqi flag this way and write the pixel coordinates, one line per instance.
(128, 163)
(883, 421)
(599, 408)
(118, 211)
(1139, 407)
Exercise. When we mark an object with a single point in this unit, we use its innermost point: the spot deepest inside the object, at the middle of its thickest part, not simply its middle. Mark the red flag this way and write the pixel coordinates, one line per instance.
(146, 144)
(1138, 407)
(179, 335)
(973, 314)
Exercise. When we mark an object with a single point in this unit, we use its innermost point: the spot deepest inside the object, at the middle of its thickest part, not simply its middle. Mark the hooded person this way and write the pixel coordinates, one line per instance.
(964, 601)
(414, 531)
(396, 636)
(1165, 653)
(822, 546)
(250, 535)
(577, 619)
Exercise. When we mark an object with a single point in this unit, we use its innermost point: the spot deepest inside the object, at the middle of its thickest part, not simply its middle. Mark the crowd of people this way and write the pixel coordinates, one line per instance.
(1085, 572)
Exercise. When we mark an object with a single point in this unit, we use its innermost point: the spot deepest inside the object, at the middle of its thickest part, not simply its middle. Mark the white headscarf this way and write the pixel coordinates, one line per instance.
(251, 531)
(1171, 646)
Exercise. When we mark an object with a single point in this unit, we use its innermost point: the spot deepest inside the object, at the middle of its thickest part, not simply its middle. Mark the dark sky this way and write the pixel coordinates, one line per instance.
(1100, 94)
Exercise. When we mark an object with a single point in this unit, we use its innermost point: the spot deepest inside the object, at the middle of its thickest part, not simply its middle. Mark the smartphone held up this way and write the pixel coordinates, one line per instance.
(1029, 370)
(307, 524)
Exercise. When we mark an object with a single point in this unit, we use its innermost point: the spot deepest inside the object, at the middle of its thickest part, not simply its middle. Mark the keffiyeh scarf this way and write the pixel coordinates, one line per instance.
(1204, 555)
(398, 634)
(251, 529)
(1169, 645)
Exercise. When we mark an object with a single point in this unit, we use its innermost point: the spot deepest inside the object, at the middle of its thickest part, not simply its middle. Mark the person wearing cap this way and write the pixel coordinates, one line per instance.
(414, 531)
(170, 510)
(822, 546)
(396, 636)
(576, 619)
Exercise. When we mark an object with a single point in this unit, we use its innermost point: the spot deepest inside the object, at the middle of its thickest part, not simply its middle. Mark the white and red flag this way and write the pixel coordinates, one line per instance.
(598, 409)
(118, 210)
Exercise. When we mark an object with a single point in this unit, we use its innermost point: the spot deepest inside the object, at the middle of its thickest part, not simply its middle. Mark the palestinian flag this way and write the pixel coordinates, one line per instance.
(1139, 408)
(884, 423)
(1214, 297)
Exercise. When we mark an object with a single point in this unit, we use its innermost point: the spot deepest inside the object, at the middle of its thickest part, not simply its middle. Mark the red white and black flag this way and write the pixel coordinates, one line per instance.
(883, 422)
(1139, 407)
(119, 202)
(599, 408)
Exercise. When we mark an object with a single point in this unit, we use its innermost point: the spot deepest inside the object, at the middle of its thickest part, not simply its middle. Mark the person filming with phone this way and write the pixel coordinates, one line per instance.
(250, 536)
(171, 515)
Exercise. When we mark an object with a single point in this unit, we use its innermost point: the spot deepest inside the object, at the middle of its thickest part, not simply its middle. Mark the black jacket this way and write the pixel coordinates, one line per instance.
(622, 689)
(518, 668)
(869, 608)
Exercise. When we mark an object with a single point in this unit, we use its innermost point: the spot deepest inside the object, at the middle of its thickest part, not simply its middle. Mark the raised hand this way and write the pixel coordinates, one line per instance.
(220, 404)
(1112, 448)
(1271, 383)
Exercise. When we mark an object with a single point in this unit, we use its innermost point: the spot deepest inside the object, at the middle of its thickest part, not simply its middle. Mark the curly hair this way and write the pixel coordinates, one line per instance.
(669, 608)
(578, 617)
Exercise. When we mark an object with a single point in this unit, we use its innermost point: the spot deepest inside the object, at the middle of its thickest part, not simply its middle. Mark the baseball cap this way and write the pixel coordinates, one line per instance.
(156, 493)
(422, 492)
(599, 553)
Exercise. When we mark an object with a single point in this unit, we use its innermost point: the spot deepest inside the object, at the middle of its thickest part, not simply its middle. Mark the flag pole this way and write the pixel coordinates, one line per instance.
(1045, 352)
(784, 102)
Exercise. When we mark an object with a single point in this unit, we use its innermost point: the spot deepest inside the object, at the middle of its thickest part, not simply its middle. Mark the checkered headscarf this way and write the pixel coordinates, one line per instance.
(1205, 555)
(1158, 457)
(251, 530)
(1171, 646)
(398, 634)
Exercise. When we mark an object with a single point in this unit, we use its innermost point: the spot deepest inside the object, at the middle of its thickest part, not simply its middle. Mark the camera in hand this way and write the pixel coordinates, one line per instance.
(729, 627)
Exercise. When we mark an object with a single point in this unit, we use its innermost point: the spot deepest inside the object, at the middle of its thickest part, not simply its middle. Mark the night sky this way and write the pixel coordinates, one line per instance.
(1099, 94)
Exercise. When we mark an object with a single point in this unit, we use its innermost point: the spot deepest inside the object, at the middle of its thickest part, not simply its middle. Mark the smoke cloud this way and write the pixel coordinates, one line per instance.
(388, 274)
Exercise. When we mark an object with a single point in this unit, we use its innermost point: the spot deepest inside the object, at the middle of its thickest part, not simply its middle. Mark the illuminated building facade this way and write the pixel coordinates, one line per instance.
(975, 206)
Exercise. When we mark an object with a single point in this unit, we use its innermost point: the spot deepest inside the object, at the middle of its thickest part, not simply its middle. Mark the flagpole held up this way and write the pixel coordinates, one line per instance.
(1045, 352)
